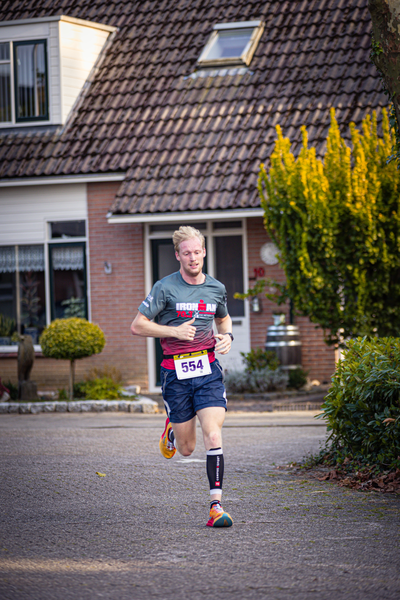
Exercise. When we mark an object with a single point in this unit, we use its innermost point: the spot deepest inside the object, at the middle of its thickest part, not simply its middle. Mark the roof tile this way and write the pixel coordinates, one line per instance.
(196, 143)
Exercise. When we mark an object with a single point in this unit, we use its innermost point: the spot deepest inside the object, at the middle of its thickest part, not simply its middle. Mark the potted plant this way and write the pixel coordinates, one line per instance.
(7, 328)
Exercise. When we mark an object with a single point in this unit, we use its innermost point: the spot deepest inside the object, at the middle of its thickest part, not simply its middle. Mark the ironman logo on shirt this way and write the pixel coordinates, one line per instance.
(195, 309)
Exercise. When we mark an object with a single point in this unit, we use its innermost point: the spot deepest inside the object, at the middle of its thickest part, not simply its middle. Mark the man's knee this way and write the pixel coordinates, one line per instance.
(186, 449)
(214, 438)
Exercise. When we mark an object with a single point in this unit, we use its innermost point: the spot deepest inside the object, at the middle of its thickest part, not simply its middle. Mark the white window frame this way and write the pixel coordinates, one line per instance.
(26, 122)
(53, 241)
(9, 62)
(248, 52)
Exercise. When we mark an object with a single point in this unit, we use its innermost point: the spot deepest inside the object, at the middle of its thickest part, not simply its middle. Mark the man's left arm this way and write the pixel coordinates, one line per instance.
(224, 326)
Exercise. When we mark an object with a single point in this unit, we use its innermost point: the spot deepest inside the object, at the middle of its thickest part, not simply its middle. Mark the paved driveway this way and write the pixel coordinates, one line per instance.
(139, 532)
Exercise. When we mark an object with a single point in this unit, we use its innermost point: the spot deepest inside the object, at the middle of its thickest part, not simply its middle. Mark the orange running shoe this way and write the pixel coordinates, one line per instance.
(218, 517)
(167, 448)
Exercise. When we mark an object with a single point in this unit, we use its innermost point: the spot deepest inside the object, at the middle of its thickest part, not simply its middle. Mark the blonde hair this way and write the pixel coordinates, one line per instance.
(185, 232)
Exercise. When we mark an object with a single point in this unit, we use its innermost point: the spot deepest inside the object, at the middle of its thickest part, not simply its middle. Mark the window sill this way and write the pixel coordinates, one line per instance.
(12, 351)
(9, 125)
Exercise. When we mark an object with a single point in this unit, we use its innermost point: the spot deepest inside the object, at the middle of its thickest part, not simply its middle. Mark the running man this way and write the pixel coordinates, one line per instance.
(186, 304)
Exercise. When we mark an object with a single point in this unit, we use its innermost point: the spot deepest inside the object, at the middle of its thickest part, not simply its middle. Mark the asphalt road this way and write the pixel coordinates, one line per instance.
(139, 532)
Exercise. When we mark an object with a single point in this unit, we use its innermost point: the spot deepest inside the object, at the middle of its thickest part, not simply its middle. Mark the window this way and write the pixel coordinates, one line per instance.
(27, 61)
(5, 83)
(30, 76)
(68, 281)
(232, 44)
(68, 229)
(22, 289)
(229, 269)
(34, 291)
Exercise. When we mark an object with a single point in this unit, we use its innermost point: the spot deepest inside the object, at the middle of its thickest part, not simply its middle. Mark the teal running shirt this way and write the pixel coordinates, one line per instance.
(174, 301)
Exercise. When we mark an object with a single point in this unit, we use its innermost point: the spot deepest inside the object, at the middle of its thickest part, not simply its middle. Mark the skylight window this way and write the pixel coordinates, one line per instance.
(232, 44)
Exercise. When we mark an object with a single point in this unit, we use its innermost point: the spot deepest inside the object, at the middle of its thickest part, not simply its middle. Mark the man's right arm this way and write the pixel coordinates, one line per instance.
(145, 328)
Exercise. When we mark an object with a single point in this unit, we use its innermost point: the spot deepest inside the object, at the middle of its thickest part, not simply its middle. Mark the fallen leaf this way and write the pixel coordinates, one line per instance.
(100, 474)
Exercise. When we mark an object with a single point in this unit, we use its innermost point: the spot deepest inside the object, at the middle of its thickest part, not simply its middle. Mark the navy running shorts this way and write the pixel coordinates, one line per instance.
(184, 397)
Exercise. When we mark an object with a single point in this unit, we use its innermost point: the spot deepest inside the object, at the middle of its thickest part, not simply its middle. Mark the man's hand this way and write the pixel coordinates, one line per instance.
(186, 331)
(224, 343)
(146, 328)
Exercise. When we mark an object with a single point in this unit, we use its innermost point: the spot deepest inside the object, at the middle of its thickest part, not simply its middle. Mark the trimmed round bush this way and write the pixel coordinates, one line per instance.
(71, 339)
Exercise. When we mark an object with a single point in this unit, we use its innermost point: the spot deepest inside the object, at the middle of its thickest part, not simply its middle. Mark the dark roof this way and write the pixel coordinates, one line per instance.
(196, 143)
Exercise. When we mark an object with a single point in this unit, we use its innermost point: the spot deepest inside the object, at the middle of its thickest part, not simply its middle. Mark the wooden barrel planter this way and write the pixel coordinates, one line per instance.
(285, 341)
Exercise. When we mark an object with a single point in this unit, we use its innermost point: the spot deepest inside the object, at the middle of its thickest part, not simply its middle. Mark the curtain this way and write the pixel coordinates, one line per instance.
(21, 258)
(30, 258)
(68, 258)
(7, 259)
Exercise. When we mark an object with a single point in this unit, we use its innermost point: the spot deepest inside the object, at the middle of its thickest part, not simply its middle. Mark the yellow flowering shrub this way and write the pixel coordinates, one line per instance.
(336, 222)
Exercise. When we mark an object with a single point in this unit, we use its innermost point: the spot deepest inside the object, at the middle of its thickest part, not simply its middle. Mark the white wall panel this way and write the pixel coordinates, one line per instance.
(25, 210)
(24, 32)
(80, 47)
(54, 73)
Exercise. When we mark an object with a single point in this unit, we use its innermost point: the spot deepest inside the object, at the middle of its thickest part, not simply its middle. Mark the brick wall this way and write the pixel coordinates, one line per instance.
(115, 297)
(114, 300)
(317, 358)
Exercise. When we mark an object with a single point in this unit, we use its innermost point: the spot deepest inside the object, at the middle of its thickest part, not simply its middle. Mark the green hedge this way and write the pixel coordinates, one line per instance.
(362, 408)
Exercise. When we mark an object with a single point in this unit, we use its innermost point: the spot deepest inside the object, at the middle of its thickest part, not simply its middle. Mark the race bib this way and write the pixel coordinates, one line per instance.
(195, 364)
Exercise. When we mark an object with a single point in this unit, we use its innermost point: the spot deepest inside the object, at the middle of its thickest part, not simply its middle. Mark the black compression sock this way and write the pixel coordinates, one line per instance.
(215, 469)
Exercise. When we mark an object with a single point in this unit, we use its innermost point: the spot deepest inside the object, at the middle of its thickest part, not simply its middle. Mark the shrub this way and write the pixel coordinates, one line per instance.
(103, 388)
(336, 222)
(362, 408)
(13, 389)
(297, 378)
(7, 326)
(255, 381)
(259, 359)
(105, 371)
(71, 339)
(63, 394)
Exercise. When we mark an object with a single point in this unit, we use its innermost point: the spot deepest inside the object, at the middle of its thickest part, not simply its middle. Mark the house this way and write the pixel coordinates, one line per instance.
(120, 121)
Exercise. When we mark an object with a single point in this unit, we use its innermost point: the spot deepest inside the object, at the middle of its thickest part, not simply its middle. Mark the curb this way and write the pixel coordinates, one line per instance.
(143, 405)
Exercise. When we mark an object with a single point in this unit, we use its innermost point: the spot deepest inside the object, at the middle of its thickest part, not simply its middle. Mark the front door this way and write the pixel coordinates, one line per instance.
(229, 268)
(225, 261)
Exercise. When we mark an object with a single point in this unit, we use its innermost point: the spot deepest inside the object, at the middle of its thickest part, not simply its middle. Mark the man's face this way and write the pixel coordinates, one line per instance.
(191, 256)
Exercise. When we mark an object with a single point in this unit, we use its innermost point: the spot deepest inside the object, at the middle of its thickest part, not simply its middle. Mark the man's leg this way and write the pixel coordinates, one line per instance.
(211, 421)
(185, 436)
(180, 426)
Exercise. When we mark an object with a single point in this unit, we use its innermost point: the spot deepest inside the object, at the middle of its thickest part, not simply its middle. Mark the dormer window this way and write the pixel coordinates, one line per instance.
(231, 44)
(5, 83)
(30, 81)
(44, 64)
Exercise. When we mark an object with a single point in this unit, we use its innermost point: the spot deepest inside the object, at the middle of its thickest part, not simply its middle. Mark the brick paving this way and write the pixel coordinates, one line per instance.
(139, 531)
